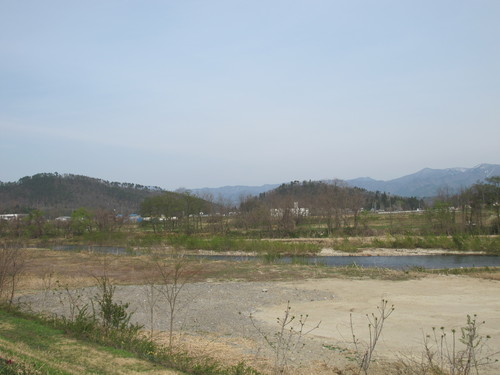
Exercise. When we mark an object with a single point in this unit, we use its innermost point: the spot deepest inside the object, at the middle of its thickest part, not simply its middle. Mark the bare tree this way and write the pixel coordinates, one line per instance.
(12, 262)
(104, 219)
(150, 303)
(174, 273)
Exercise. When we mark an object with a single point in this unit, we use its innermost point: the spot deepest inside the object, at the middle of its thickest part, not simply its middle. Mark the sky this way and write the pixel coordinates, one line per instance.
(212, 93)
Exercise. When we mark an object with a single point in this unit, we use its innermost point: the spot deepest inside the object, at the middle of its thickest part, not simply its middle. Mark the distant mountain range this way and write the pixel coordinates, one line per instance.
(425, 183)
(429, 182)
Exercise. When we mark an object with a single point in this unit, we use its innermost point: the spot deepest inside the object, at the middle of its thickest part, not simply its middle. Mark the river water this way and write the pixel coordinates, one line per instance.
(393, 262)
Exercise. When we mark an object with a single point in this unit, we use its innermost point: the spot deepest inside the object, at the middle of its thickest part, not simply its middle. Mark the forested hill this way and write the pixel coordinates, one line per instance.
(318, 196)
(57, 194)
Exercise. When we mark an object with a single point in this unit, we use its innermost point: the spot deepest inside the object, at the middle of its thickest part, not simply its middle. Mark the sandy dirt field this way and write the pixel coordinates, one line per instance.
(214, 316)
(439, 301)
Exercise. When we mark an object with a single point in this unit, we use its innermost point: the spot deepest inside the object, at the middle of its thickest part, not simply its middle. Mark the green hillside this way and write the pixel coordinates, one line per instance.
(57, 194)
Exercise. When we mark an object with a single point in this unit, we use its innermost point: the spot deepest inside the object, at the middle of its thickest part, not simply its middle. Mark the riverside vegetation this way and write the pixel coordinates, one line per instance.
(311, 210)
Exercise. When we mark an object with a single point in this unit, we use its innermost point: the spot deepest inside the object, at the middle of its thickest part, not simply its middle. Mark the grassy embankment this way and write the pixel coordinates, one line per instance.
(32, 345)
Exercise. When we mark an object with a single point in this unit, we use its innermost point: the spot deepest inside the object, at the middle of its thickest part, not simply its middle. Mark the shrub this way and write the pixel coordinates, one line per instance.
(460, 352)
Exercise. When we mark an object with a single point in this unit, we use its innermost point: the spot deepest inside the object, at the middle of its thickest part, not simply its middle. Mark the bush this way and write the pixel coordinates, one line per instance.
(113, 314)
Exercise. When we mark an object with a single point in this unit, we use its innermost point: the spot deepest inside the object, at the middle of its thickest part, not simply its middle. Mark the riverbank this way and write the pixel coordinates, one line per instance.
(396, 252)
(361, 252)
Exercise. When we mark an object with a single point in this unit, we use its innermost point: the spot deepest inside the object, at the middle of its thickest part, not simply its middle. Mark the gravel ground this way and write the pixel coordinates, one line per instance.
(210, 311)
(201, 307)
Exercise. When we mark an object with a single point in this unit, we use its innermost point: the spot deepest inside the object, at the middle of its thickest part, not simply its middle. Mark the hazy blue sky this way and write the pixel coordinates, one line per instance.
(211, 93)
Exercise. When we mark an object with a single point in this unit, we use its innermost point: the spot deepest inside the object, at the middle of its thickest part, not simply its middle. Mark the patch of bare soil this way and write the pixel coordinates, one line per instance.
(215, 316)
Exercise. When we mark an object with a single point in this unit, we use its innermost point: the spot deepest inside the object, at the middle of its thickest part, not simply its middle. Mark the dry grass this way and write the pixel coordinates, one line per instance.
(80, 269)
(487, 275)
(227, 350)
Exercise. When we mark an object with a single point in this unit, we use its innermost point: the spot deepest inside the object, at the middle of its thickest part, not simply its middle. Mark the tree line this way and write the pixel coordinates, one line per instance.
(35, 224)
(475, 210)
(305, 208)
